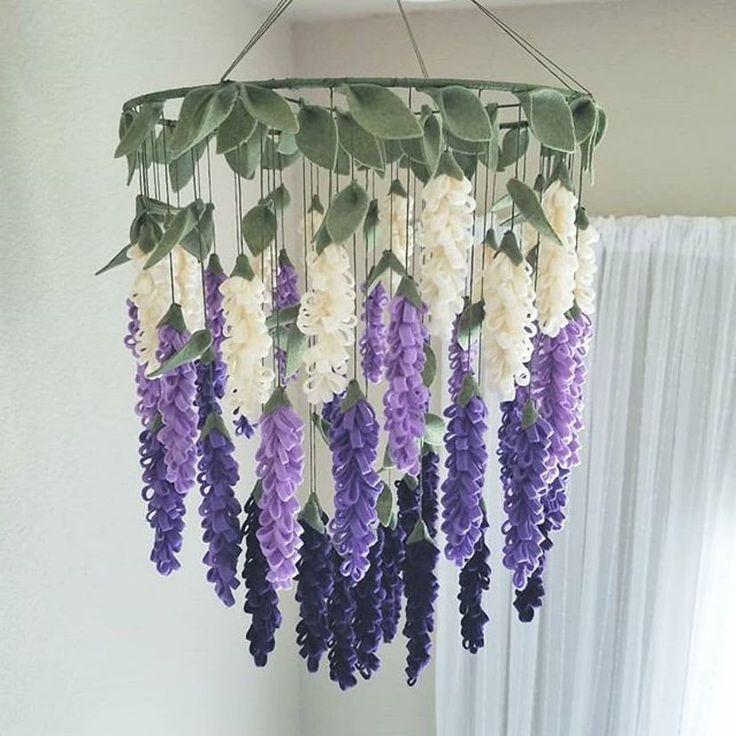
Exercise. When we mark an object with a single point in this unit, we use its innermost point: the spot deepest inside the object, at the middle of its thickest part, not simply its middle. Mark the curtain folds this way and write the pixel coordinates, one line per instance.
(636, 584)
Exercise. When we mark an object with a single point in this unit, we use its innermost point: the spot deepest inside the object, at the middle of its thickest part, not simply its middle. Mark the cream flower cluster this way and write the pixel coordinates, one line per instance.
(556, 264)
(396, 226)
(585, 274)
(151, 295)
(508, 327)
(328, 314)
(188, 283)
(447, 221)
(247, 343)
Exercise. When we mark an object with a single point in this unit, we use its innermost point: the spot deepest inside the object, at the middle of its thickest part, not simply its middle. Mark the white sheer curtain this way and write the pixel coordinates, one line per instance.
(642, 580)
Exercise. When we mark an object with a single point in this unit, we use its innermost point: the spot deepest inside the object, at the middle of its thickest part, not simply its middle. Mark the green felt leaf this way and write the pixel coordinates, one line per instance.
(421, 171)
(278, 398)
(181, 169)
(550, 118)
(529, 415)
(272, 159)
(283, 317)
(200, 240)
(149, 232)
(259, 228)
(514, 145)
(510, 246)
(117, 260)
(528, 205)
(242, 268)
(214, 423)
(342, 163)
(353, 395)
(387, 261)
(584, 117)
(388, 461)
(449, 166)
(191, 350)
(296, 345)
(279, 198)
(420, 534)
(385, 505)
(322, 426)
(502, 203)
(136, 128)
(471, 321)
(287, 144)
(434, 429)
(463, 114)
(159, 152)
(581, 218)
(322, 238)
(489, 239)
(311, 514)
(429, 372)
(562, 174)
(601, 126)
(269, 108)
(468, 163)
(370, 224)
(408, 289)
(471, 147)
(468, 390)
(381, 112)
(432, 143)
(245, 159)
(392, 150)
(237, 127)
(182, 223)
(201, 113)
(413, 149)
(346, 212)
(363, 146)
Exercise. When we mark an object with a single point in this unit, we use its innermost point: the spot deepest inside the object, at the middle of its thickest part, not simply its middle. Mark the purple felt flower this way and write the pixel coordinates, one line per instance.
(475, 578)
(391, 582)
(529, 599)
(243, 428)
(286, 294)
(461, 358)
(219, 509)
(373, 340)
(405, 401)
(134, 326)
(408, 500)
(526, 468)
(466, 462)
(369, 599)
(261, 600)
(429, 483)
(280, 466)
(315, 581)
(205, 397)
(165, 506)
(354, 437)
(213, 279)
(341, 615)
(176, 406)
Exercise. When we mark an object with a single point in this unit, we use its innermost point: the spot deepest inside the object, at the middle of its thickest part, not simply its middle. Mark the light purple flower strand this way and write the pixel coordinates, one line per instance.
(373, 340)
(213, 279)
(285, 295)
(280, 466)
(405, 400)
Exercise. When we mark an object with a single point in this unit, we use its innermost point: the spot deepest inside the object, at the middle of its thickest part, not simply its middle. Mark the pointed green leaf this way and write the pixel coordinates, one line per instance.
(470, 147)
(385, 505)
(259, 228)
(180, 226)
(421, 171)
(273, 159)
(432, 143)
(322, 238)
(449, 166)
(359, 143)
(412, 147)
(201, 113)
(510, 246)
(117, 260)
(434, 429)
(550, 118)
(214, 423)
(311, 514)
(392, 150)
(370, 225)
(296, 345)
(468, 163)
(529, 415)
(381, 112)
(191, 350)
(181, 169)
(279, 198)
(388, 462)
(200, 240)
(237, 127)
(408, 289)
(468, 389)
(353, 395)
(528, 205)
(429, 372)
(346, 212)
(317, 136)
(322, 426)
(463, 114)
(283, 317)
(269, 108)
(420, 534)
(583, 117)
(470, 323)
(513, 147)
(245, 159)
(135, 129)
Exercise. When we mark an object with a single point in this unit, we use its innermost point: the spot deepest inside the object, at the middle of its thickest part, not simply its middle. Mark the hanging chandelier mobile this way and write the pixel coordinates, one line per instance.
(422, 217)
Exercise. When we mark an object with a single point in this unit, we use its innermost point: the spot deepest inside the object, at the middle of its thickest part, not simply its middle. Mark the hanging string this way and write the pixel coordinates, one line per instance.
(271, 18)
(552, 67)
(413, 40)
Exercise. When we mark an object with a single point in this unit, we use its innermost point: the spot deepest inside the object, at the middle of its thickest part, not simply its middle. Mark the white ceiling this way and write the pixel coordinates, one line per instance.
(313, 9)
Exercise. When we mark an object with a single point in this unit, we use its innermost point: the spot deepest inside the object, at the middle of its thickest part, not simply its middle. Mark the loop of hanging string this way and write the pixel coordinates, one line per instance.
(278, 10)
(552, 67)
(413, 40)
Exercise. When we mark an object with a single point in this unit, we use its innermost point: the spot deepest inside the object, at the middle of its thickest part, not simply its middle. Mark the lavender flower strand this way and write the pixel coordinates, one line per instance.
(261, 600)
(341, 613)
(286, 294)
(466, 462)
(176, 406)
(430, 481)
(280, 466)
(406, 398)
(146, 389)
(315, 583)
(134, 326)
(526, 467)
(243, 428)
(354, 438)
(391, 582)
(369, 599)
(373, 340)
(474, 579)
(213, 279)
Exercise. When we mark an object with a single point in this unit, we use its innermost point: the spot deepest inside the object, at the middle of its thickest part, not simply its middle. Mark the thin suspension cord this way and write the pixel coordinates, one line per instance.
(413, 40)
(277, 11)
(531, 49)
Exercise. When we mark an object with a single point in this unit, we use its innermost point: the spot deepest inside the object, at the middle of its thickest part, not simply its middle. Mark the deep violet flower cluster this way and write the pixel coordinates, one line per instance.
(529, 599)
(391, 582)
(369, 599)
(342, 656)
(219, 509)
(373, 340)
(243, 428)
(475, 578)
(280, 466)
(206, 400)
(315, 583)
(405, 400)
(261, 600)
(286, 294)
(354, 438)
(466, 462)
(526, 468)
(430, 481)
(213, 279)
